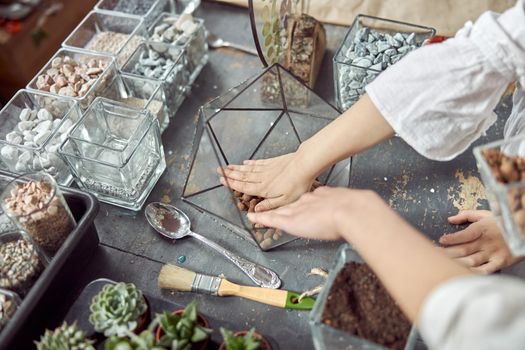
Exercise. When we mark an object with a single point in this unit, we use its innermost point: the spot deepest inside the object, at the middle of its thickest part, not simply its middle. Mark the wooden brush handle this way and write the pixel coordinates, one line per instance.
(268, 296)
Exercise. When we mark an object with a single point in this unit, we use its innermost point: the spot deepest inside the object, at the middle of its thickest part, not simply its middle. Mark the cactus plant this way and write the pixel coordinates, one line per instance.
(117, 308)
(240, 342)
(181, 330)
(65, 337)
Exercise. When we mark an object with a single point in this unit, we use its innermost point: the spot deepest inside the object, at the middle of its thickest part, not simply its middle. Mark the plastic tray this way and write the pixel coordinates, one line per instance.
(44, 302)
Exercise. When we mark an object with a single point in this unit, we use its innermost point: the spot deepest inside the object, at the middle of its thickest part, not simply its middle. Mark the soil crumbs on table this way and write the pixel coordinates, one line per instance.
(359, 304)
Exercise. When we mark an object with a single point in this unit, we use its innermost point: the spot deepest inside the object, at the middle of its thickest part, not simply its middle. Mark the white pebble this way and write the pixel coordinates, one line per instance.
(41, 137)
(66, 125)
(20, 167)
(189, 27)
(26, 114)
(43, 114)
(25, 125)
(43, 126)
(25, 157)
(13, 137)
(9, 152)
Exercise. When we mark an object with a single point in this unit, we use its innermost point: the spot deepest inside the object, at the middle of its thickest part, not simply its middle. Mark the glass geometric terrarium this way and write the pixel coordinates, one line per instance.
(266, 116)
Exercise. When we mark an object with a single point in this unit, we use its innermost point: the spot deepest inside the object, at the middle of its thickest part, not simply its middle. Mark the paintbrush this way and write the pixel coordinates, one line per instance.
(183, 280)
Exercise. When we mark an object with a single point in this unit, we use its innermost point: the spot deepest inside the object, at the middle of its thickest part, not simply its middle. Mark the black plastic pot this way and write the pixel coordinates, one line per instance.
(43, 305)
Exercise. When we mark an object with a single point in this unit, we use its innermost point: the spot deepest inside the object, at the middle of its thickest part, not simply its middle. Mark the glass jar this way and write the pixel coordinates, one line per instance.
(9, 303)
(36, 205)
(370, 46)
(20, 262)
(326, 337)
(116, 153)
(189, 36)
(147, 9)
(81, 75)
(164, 63)
(32, 127)
(140, 93)
(109, 33)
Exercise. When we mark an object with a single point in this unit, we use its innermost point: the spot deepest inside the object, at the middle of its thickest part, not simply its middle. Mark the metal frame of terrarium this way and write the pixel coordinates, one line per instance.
(287, 113)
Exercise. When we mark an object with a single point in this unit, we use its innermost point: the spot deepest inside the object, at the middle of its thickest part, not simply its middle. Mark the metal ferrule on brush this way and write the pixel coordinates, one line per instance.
(206, 284)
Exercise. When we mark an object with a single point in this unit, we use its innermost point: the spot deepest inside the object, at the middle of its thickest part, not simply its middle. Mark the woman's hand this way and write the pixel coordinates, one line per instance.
(324, 213)
(480, 246)
(279, 180)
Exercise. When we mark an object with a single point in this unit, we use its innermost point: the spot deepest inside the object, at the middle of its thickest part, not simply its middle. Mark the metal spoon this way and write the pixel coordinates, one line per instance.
(173, 223)
(215, 42)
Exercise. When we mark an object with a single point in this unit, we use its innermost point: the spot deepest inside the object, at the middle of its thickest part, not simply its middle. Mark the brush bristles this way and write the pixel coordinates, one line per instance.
(177, 278)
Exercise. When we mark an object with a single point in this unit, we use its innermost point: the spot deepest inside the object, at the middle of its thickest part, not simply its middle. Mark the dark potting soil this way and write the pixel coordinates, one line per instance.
(358, 304)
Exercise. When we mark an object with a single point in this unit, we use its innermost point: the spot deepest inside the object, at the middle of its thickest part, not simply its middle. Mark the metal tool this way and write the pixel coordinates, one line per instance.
(174, 224)
(215, 42)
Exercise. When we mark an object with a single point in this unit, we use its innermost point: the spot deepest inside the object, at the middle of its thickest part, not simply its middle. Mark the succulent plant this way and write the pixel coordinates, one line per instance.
(181, 331)
(117, 308)
(144, 341)
(65, 337)
(240, 342)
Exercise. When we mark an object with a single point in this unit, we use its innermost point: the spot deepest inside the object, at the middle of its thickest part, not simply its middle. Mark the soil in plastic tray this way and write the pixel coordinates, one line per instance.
(358, 303)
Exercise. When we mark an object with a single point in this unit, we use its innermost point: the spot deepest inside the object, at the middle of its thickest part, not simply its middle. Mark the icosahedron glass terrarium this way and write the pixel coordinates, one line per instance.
(266, 116)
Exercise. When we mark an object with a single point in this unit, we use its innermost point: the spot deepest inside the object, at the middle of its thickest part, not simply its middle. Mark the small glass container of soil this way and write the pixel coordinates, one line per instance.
(355, 311)
(140, 93)
(165, 63)
(80, 75)
(36, 205)
(9, 302)
(147, 9)
(32, 127)
(20, 262)
(109, 33)
(243, 124)
(116, 153)
(502, 168)
(371, 45)
(185, 32)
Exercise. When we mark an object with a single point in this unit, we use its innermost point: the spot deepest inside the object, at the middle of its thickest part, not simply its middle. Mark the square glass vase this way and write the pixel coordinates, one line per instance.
(194, 45)
(139, 93)
(248, 123)
(79, 57)
(109, 33)
(115, 153)
(326, 337)
(32, 127)
(369, 47)
(169, 68)
(506, 200)
(149, 10)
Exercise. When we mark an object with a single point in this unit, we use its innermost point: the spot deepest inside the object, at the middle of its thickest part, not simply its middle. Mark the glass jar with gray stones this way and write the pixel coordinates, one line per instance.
(371, 45)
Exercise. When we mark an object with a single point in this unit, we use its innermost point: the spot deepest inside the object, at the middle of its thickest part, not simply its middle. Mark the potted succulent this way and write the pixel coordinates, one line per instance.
(65, 337)
(144, 341)
(118, 309)
(243, 340)
(183, 329)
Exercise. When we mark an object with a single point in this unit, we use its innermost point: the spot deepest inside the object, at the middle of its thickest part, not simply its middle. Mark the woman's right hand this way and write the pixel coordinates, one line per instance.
(280, 180)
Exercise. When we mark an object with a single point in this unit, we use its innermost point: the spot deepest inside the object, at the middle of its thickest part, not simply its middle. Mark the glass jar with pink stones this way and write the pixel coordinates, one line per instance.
(36, 205)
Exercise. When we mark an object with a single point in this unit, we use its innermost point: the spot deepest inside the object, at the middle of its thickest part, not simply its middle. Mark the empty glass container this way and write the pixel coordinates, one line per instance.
(115, 152)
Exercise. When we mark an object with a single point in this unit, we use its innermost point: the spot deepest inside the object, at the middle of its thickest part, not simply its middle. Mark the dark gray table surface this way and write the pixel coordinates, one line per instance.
(422, 191)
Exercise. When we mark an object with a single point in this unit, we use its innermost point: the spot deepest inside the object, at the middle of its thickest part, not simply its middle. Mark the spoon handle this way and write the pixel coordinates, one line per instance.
(262, 276)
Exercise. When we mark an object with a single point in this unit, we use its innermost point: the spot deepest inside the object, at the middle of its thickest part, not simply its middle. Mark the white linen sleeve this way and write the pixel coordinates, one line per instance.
(475, 312)
(441, 97)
